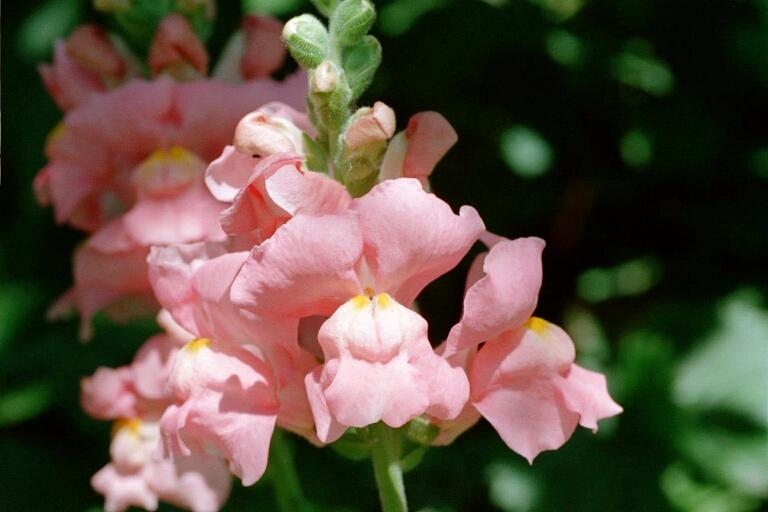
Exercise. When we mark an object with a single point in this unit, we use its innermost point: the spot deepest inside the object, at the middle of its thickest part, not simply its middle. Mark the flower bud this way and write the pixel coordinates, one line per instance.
(111, 5)
(360, 64)
(260, 135)
(370, 125)
(351, 20)
(177, 50)
(325, 78)
(92, 49)
(264, 50)
(307, 40)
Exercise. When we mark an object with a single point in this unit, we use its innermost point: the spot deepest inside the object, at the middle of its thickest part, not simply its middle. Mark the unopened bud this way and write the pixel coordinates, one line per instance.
(371, 125)
(264, 50)
(206, 7)
(260, 135)
(325, 77)
(307, 40)
(351, 20)
(360, 64)
(177, 50)
(91, 47)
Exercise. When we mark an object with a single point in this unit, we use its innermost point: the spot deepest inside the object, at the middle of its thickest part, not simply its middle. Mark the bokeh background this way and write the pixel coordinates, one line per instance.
(630, 134)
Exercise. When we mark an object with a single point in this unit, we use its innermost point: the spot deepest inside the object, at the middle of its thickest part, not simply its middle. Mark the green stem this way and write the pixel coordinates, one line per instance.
(285, 479)
(386, 467)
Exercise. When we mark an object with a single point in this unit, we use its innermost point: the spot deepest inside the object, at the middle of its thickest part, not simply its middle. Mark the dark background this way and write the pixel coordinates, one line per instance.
(630, 134)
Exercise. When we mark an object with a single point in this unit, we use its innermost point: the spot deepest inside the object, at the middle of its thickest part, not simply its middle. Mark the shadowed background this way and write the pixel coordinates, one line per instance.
(630, 134)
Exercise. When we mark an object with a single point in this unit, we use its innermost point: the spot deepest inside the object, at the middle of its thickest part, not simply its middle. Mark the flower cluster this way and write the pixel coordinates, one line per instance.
(288, 251)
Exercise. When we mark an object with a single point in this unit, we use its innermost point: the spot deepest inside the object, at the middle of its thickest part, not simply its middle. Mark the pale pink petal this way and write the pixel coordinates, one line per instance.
(306, 268)
(328, 429)
(505, 298)
(362, 392)
(123, 489)
(151, 367)
(430, 136)
(252, 209)
(109, 394)
(229, 173)
(586, 393)
(514, 387)
(412, 237)
(297, 191)
(200, 482)
(233, 423)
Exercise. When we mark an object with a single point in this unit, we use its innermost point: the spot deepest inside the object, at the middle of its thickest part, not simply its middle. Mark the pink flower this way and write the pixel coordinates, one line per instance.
(523, 379)
(193, 282)
(129, 164)
(200, 483)
(358, 267)
(85, 64)
(136, 396)
(227, 404)
(264, 49)
(415, 152)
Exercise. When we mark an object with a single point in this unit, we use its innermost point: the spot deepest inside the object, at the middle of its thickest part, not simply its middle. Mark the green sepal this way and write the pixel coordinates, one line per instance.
(317, 159)
(351, 20)
(360, 64)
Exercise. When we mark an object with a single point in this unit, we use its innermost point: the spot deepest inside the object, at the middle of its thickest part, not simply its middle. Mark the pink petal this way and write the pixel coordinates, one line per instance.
(586, 393)
(328, 429)
(360, 393)
(412, 237)
(232, 422)
(123, 489)
(514, 387)
(200, 482)
(264, 48)
(306, 268)
(109, 394)
(229, 173)
(430, 136)
(505, 298)
(151, 367)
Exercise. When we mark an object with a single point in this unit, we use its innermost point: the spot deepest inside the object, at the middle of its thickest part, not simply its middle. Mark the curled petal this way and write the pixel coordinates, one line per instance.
(412, 237)
(123, 489)
(504, 298)
(586, 392)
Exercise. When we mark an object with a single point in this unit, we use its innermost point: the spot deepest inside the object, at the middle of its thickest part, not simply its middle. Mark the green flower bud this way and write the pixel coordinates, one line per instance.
(351, 20)
(360, 64)
(307, 40)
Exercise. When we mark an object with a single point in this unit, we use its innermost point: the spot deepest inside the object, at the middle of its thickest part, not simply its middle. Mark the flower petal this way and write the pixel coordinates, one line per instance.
(306, 268)
(412, 237)
(586, 393)
(505, 298)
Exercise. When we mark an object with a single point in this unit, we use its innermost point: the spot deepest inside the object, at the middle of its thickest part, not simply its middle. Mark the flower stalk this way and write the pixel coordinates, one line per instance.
(283, 475)
(385, 453)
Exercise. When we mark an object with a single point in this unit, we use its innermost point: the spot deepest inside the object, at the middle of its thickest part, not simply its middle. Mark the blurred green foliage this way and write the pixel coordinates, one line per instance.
(630, 134)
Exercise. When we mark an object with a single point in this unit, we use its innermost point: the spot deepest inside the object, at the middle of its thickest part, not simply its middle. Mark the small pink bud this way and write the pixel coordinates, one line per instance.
(260, 135)
(376, 124)
(91, 48)
(264, 50)
(177, 48)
